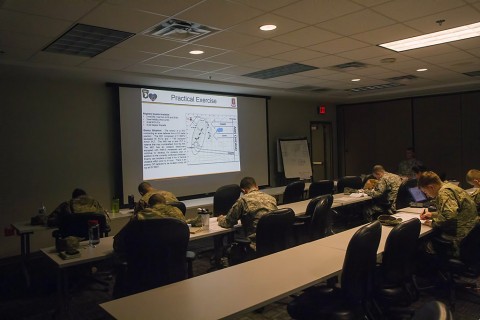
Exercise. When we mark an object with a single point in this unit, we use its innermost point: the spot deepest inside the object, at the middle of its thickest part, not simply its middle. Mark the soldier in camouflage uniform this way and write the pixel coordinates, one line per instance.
(146, 191)
(249, 208)
(157, 209)
(405, 166)
(80, 203)
(473, 178)
(456, 212)
(384, 194)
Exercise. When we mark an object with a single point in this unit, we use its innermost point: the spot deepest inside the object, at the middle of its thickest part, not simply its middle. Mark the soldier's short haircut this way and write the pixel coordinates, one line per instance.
(77, 192)
(473, 174)
(378, 169)
(427, 178)
(156, 199)
(247, 183)
(144, 187)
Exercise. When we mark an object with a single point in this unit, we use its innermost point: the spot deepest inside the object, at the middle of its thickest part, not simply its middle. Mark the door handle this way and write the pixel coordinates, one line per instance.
(317, 163)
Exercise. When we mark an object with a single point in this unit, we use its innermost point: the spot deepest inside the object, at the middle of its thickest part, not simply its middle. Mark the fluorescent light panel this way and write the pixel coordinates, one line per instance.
(431, 39)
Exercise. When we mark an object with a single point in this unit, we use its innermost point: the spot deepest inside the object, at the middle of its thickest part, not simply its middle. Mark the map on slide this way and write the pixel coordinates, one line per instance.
(211, 138)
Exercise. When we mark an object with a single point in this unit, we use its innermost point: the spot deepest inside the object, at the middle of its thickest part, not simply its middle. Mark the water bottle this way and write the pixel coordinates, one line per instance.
(205, 216)
(115, 205)
(93, 233)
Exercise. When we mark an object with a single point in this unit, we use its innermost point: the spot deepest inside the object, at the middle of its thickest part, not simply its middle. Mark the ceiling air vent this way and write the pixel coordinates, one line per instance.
(280, 71)
(403, 78)
(180, 30)
(349, 66)
(375, 87)
(473, 73)
(87, 41)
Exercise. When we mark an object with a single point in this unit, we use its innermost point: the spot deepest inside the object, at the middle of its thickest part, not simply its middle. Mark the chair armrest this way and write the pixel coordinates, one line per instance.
(302, 218)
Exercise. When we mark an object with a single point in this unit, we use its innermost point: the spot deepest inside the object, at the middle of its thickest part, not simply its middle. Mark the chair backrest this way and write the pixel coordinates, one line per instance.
(359, 263)
(294, 192)
(469, 247)
(76, 224)
(399, 253)
(321, 218)
(224, 198)
(353, 182)
(275, 231)
(403, 196)
(433, 310)
(178, 204)
(320, 188)
(155, 253)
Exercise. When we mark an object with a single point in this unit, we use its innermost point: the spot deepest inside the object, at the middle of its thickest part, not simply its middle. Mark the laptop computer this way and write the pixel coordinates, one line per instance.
(419, 198)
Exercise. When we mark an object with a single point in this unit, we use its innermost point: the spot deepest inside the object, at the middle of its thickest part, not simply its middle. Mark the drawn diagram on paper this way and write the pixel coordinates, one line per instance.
(212, 138)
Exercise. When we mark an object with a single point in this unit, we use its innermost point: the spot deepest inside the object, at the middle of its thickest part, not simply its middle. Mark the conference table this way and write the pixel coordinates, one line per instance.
(247, 286)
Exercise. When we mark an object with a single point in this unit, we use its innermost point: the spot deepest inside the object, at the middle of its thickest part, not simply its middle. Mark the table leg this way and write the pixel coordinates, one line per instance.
(25, 254)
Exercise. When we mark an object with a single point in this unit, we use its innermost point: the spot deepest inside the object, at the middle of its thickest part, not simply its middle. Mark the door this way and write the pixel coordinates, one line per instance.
(322, 153)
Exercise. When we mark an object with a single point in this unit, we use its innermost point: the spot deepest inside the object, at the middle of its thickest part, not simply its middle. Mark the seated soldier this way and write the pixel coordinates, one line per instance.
(146, 191)
(473, 178)
(80, 203)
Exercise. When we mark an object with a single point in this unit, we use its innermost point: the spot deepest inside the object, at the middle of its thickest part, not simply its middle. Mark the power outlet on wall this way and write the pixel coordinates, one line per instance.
(9, 231)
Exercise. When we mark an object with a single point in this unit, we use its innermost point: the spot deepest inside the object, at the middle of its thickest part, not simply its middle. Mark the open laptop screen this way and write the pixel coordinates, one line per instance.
(417, 194)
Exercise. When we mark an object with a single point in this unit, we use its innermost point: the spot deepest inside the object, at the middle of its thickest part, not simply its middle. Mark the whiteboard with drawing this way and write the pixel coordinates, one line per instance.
(296, 158)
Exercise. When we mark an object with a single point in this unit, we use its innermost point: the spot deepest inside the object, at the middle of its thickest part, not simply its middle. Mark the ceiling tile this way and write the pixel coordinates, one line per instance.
(169, 61)
(466, 44)
(125, 55)
(449, 58)
(298, 55)
(146, 68)
(234, 58)
(357, 22)
(184, 52)
(109, 64)
(463, 65)
(213, 76)
(121, 18)
(369, 71)
(266, 5)
(430, 51)
(64, 10)
(364, 53)
(475, 52)
(227, 40)
(9, 39)
(386, 34)
(206, 66)
(314, 11)
(167, 8)
(306, 37)
(264, 63)
(182, 73)
(219, 13)
(57, 59)
(339, 45)
(32, 24)
(370, 3)
(284, 25)
(453, 18)
(404, 10)
(267, 48)
(149, 44)
(239, 70)
(326, 61)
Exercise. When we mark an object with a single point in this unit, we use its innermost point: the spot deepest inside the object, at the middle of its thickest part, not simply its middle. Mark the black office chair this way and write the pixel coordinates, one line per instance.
(433, 310)
(224, 198)
(320, 188)
(191, 256)
(394, 277)
(302, 222)
(76, 224)
(180, 205)
(403, 196)
(321, 223)
(354, 298)
(352, 182)
(275, 232)
(155, 254)
(294, 192)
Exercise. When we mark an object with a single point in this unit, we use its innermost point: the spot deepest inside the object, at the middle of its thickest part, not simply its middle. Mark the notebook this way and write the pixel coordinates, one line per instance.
(419, 198)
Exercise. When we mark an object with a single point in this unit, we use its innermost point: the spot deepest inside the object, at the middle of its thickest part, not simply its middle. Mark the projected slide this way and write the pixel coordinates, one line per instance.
(185, 134)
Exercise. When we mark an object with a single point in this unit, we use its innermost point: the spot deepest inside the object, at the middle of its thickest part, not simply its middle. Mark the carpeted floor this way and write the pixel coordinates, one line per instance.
(40, 300)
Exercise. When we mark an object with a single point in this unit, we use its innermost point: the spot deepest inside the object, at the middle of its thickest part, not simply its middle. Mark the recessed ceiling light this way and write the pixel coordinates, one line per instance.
(268, 27)
(430, 39)
(355, 80)
(196, 52)
(422, 69)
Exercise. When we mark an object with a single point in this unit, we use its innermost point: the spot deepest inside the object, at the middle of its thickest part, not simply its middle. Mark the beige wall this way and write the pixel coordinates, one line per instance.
(59, 132)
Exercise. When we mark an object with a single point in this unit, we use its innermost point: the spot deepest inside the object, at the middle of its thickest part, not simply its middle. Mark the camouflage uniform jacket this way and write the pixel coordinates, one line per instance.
(143, 202)
(476, 197)
(82, 204)
(386, 190)
(249, 208)
(160, 211)
(405, 167)
(456, 213)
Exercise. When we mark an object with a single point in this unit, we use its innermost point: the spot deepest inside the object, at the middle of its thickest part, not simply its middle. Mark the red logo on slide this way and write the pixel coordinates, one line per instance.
(234, 104)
